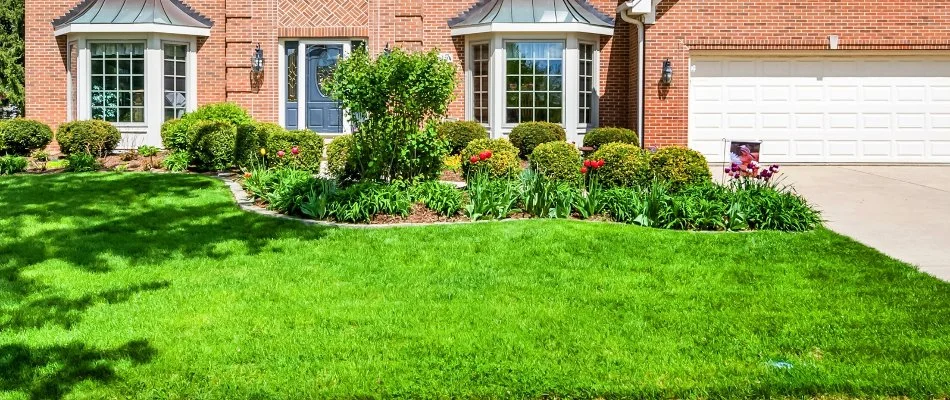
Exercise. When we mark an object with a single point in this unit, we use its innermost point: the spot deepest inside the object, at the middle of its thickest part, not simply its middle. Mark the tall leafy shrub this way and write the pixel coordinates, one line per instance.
(179, 134)
(213, 146)
(393, 97)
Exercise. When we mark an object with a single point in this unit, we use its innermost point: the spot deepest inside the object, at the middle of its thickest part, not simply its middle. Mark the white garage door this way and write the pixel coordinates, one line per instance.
(832, 109)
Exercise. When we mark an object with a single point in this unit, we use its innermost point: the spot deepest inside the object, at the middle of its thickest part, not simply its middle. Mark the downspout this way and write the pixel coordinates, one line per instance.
(641, 49)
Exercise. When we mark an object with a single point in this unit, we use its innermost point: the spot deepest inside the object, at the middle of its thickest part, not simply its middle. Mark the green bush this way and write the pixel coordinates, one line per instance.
(213, 146)
(21, 136)
(309, 149)
(679, 166)
(251, 138)
(600, 136)
(557, 161)
(393, 96)
(528, 135)
(177, 161)
(10, 164)
(178, 135)
(625, 165)
(460, 133)
(421, 157)
(340, 164)
(503, 163)
(82, 162)
(95, 137)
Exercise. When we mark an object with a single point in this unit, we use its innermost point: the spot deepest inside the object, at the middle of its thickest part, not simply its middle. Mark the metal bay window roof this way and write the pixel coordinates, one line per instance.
(130, 16)
(532, 16)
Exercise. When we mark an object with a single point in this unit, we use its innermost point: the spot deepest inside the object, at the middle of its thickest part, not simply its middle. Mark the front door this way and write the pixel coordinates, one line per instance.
(323, 114)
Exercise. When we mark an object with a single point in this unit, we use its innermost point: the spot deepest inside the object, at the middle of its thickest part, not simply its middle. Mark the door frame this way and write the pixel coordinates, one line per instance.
(302, 44)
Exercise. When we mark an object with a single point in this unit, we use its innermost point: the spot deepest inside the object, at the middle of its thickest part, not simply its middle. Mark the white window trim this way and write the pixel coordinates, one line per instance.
(148, 131)
(470, 80)
(497, 65)
(191, 93)
(302, 44)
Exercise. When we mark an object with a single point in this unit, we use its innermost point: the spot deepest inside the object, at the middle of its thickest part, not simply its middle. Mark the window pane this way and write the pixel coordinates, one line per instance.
(585, 83)
(480, 58)
(174, 80)
(117, 71)
(536, 95)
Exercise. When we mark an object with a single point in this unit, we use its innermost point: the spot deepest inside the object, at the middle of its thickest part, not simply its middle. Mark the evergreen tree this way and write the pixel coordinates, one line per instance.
(11, 52)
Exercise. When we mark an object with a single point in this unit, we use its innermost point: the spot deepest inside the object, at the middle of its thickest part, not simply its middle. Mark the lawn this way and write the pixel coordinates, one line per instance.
(157, 285)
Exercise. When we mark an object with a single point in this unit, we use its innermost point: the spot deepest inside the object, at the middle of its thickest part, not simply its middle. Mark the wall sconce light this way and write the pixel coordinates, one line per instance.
(257, 60)
(667, 77)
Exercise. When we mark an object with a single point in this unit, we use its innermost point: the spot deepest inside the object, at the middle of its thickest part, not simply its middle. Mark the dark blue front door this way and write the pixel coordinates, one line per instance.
(323, 114)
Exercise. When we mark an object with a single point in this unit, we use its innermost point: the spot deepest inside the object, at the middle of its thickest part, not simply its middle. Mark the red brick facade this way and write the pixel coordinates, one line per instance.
(685, 26)
(682, 27)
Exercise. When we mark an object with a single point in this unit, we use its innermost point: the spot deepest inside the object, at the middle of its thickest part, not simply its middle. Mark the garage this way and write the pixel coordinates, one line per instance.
(845, 109)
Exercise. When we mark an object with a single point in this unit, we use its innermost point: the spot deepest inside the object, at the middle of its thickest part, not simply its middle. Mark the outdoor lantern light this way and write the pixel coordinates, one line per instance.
(257, 61)
(667, 72)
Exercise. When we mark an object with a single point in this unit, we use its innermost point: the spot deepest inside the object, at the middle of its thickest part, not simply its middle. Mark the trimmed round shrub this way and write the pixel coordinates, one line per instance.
(251, 138)
(625, 165)
(680, 167)
(309, 145)
(20, 136)
(339, 163)
(179, 134)
(94, 137)
(460, 133)
(213, 146)
(557, 161)
(504, 162)
(600, 136)
(526, 136)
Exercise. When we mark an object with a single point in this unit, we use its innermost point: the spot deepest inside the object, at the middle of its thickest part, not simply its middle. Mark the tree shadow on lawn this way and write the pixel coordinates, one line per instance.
(95, 223)
(52, 372)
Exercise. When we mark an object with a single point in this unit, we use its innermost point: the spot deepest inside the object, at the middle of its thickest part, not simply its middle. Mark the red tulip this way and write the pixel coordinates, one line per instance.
(294, 150)
(488, 154)
(601, 162)
(483, 155)
(597, 164)
(583, 170)
(587, 163)
(280, 154)
(474, 159)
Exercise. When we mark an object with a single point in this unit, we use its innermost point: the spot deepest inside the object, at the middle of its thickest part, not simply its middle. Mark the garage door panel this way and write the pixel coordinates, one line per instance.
(824, 110)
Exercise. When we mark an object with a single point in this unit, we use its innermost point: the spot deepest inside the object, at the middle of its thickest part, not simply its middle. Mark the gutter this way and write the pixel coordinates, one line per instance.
(641, 50)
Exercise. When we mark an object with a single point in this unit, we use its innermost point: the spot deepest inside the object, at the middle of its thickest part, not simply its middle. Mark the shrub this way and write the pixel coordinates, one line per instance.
(625, 165)
(762, 205)
(213, 147)
(147, 151)
(21, 136)
(503, 163)
(600, 136)
(10, 164)
(460, 133)
(339, 163)
(98, 138)
(251, 138)
(397, 94)
(177, 161)
(440, 197)
(421, 157)
(557, 161)
(82, 162)
(679, 167)
(308, 145)
(178, 135)
(528, 135)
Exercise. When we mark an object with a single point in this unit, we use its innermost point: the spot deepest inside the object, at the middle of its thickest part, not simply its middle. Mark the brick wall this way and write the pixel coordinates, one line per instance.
(690, 25)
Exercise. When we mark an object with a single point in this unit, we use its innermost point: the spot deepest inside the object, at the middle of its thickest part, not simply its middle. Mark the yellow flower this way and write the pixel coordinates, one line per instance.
(263, 151)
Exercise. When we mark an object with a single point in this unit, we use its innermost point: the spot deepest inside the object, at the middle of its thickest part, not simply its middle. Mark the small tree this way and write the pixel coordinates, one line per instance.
(392, 98)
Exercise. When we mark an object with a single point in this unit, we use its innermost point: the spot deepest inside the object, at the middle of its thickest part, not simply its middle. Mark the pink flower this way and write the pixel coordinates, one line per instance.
(295, 150)
(280, 154)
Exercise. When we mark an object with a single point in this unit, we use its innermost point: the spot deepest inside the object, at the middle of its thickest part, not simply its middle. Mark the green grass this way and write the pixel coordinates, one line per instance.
(158, 286)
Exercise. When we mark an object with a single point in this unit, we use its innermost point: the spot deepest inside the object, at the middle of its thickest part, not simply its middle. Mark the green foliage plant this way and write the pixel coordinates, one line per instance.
(528, 135)
(10, 164)
(459, 134)
(557, 161)
(98, 138)
(392, 97)
(625, 165)
(20, 136)
(82, 162)
(598, 137)
(679, 167)
(213, 147)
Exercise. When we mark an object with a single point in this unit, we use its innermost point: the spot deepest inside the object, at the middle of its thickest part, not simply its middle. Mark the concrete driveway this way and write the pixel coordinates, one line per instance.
(903, 211)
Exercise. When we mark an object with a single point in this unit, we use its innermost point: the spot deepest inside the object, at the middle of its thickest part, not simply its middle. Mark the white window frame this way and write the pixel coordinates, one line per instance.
(595, 88)
(496, 80)
(189, 103)
(470, 81)
(302, 82)
(148, 131)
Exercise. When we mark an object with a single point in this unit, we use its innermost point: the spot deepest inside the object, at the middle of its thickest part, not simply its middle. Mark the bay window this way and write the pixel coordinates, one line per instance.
(534, 81)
